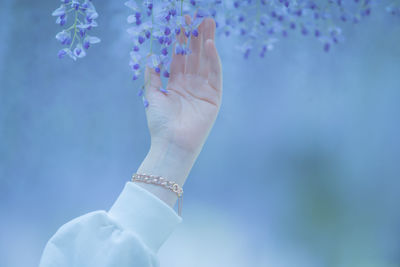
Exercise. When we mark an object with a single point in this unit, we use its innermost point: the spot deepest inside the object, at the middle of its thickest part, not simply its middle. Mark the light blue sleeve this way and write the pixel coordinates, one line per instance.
(128, 235)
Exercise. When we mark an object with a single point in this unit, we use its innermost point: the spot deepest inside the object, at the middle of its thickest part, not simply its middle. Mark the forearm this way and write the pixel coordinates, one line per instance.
(170, 162)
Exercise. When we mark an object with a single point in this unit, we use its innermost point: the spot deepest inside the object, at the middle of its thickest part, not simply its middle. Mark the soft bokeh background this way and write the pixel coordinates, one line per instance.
(301, 169)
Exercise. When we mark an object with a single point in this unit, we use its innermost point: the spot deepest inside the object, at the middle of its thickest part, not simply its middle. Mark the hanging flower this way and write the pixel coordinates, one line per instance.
(82, 15)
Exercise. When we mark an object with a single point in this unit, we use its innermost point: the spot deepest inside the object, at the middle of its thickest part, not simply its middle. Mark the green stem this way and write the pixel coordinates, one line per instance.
(70, 28)
(151, 32)
(74, 26)
(151, 46)
(181, 7)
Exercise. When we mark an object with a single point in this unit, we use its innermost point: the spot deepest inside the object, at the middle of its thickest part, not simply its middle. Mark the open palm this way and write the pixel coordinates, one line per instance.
(185, 114)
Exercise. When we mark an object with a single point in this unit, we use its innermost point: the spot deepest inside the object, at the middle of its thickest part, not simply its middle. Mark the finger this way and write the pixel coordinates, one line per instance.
(187, 20)
(179, 64)
(209, 29)
(208, 33)
(195, 46)
(214, 64)
(152, 81)
(178, 61)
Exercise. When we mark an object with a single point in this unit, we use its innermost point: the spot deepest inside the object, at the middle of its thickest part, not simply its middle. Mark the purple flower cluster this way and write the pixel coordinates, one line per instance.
(154, 31)
(82, 15)
(261, 23)
(155, 26)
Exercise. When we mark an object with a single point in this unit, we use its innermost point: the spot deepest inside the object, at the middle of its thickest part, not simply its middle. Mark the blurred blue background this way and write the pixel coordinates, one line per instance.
(301, 168)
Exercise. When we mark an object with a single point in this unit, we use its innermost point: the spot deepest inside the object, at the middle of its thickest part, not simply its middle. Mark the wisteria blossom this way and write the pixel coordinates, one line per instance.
(82, 15)
(261, 23)
(155, 26)
(258, 24)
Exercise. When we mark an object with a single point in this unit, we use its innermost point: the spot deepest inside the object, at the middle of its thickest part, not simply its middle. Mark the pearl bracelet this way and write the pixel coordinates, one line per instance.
(161, 181)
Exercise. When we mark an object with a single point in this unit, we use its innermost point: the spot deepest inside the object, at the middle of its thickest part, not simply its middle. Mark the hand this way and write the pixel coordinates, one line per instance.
(181, 119)
(185, 114)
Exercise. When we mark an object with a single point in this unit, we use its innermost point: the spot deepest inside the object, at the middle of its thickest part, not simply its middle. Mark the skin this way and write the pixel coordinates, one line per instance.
(180, 120)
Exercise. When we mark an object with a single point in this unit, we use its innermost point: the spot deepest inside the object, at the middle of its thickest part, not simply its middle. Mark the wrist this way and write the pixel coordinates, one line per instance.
(169, 161)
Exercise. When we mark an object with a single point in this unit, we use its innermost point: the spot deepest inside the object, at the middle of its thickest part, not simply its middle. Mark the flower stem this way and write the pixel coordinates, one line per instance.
(151, 32)
(181, 7)
(74, 26)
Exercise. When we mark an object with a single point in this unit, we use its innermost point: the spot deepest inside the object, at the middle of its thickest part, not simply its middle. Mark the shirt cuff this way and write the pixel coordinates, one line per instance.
(141, 212)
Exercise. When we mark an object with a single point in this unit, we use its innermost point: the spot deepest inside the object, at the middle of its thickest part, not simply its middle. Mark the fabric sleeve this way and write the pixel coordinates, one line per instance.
(127, 235)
